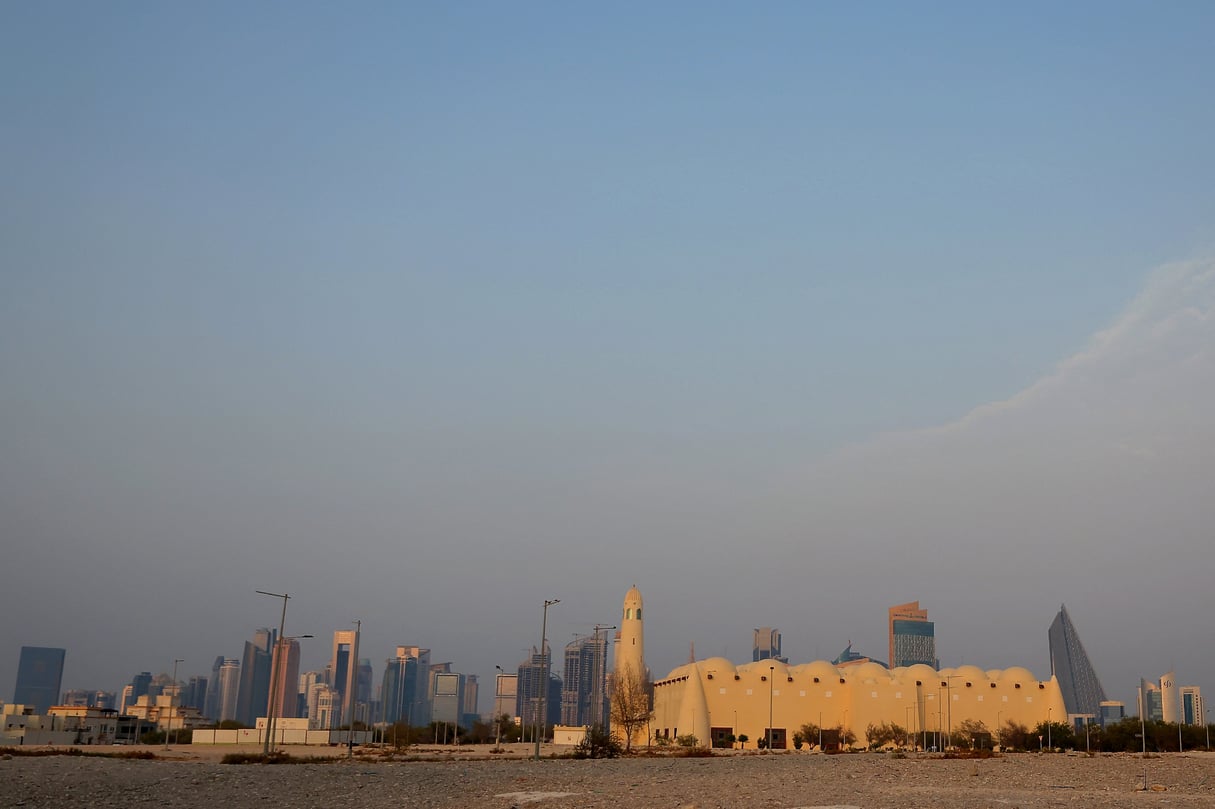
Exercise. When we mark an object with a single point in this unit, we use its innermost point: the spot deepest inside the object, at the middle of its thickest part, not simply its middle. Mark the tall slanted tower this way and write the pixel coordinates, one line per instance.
(630, 653)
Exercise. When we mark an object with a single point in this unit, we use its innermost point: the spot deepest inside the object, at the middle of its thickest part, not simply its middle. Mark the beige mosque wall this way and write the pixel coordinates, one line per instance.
(714, 693)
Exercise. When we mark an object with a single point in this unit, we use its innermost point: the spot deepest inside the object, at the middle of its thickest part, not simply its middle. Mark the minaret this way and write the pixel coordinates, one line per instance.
(630, 653)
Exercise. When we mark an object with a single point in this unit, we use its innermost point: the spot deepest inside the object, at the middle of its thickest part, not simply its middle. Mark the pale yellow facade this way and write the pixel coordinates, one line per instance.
(714, 697)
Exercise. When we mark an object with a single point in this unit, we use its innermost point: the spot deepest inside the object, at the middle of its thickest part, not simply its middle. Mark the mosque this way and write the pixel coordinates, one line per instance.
(715, 699)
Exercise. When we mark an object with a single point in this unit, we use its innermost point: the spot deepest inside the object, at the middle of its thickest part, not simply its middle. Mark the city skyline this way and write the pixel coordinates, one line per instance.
(785, 315)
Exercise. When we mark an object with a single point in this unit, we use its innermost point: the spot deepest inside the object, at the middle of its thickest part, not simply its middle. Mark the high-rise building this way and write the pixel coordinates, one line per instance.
(583, 685)
(141, 684)
(39, 677)
(766, 645)
(286, 678)
(1151, 705)
(403, 691)
(363, 693)
(127, 698)
(195, 693)
(1170, 699)
(343, 667)
(229, 689)
(211, 702)
(1082, 691)
(468, 709)
(306, 681)
(1192, 709)
(1112, 712)
(324, 707)
(254, 694)
(912, 636)
(531, 691)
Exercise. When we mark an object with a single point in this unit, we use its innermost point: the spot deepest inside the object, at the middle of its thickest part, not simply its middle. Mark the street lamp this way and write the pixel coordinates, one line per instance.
(276, 674)
(1049, 746)
(497, 718)
(169, 729)
(282, 622)
(998, 713)
(597, 685)
(543, 672)
(771, 686)
(352, 686)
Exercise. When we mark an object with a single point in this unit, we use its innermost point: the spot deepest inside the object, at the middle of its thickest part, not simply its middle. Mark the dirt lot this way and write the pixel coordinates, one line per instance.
(473, 778)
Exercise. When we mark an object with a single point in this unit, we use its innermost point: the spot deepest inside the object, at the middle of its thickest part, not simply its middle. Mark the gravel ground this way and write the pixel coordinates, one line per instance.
(788, 781)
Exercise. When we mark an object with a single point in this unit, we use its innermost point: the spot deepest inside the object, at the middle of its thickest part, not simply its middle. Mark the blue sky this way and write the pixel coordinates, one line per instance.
(457, 303)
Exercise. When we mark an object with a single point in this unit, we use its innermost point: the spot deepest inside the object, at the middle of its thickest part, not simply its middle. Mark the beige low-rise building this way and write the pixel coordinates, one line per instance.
(713, 699)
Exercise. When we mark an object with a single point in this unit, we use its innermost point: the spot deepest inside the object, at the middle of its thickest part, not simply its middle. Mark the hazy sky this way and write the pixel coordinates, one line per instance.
(786, 313)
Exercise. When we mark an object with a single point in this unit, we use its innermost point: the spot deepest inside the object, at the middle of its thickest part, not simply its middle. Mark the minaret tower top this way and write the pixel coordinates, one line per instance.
(631, 652)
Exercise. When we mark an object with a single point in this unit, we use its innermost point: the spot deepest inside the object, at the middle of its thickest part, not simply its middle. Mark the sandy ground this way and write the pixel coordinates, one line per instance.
(193, 777)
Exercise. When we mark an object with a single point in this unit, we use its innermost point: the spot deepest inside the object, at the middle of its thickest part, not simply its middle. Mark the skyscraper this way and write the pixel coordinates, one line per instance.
(212, 701)
(254, 694)
(1192, 708)
(229, 689)
(39, 677)
(531, 687)
(403, 688)
(583, 684)
(766, 645)
(286, 673)
(1082, 691)
(912, 636)
(343, 667)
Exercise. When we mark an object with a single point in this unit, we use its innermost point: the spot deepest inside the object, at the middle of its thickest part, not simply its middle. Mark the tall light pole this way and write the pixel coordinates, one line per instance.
(771, 686)
(497, 717)
(1049, 746)
(352, 685)
(543, 672)
(998, 714)
(282, 623)
(276, 673)
(1206, 715)
(597, 685)
(169, 729)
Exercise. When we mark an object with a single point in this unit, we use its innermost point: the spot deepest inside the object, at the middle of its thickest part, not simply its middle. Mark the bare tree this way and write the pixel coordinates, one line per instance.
(630, 705)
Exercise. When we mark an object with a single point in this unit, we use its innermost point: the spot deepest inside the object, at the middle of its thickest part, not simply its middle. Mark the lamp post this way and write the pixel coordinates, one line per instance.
(169, 729)
(771, 691)
(998, 714)
(844, 730)
(543, 672)
(282, 622)
(1206, 715)
(597, 685)
(352, 686)
(1049, 746)
(497, 718)
(820, 731)
(276, 674)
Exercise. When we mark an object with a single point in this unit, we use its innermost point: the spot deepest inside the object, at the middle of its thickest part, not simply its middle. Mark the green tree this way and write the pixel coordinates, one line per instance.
(968, 730)
(810, 733)
(1055, 735)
